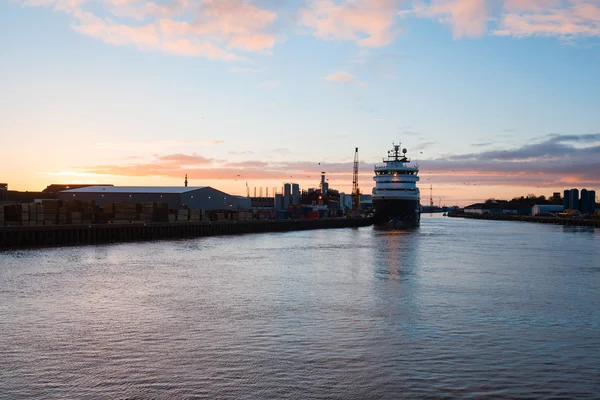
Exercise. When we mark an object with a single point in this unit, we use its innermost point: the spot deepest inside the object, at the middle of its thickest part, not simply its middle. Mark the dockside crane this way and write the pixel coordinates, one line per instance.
(355, 189)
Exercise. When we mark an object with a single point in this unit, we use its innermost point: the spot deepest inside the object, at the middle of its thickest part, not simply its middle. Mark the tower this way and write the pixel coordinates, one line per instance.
(185, 182)
(287, 195)
(295, 194)
(431, 196)
(355, 189)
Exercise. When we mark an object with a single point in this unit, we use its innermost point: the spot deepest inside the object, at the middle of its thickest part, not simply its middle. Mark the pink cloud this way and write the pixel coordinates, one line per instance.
(372, 23)
(467, 17)
(340, 77)
(232, 23)
(185, 159)
(212, 28)
(369, 23)
(573, 18)
(471, 18)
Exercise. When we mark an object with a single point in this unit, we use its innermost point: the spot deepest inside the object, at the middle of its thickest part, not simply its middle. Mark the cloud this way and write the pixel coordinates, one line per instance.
(340, 77)
(228, 30)
(485, 144)
(519, 18)
(423, 145)
(468, 18)
(153, 146)
(185, 159)
(557, 161)
(213, 29)
(246, 164)
(553, 162)
(564, 18)
(270, 84)
(368, 23)
(554, 147)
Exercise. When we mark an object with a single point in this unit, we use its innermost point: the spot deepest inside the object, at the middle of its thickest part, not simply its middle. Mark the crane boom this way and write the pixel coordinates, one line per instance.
(355, 189)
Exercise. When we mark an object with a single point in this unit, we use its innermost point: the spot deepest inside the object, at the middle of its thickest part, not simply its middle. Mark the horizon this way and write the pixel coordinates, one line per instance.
(491, 100)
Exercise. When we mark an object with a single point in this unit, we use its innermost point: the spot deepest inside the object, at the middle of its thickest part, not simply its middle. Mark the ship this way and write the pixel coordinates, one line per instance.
(396, 197)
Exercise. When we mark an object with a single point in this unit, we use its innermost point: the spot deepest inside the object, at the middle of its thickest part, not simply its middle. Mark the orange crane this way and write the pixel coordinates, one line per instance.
(355, 189)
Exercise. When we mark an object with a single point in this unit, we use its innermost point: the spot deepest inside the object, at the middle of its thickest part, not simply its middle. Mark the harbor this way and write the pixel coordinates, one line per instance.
(299, 314)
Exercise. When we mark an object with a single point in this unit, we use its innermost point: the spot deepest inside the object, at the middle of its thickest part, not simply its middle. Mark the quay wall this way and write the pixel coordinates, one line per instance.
(595, 223)
(64, 235)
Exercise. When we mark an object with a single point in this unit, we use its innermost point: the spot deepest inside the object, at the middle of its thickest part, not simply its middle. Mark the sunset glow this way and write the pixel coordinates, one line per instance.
(491, 99)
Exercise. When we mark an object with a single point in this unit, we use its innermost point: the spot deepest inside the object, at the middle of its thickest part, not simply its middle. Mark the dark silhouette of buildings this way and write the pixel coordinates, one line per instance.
(586, 203)
(3, 191)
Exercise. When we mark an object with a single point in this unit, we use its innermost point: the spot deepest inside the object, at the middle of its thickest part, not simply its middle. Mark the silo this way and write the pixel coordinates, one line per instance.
(287, 195)
(295, 194)
(278, 202)
(592, 197)
(574, 200)
(584, 202)
(566, 196)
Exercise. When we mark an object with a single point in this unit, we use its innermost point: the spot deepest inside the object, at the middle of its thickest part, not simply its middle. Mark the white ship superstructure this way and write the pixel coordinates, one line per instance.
(396, 197)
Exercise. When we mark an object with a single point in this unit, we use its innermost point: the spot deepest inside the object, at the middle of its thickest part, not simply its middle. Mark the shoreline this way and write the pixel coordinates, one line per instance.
(594, 223)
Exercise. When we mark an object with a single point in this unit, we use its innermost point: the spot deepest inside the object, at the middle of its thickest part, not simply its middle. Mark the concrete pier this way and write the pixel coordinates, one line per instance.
(64, 235)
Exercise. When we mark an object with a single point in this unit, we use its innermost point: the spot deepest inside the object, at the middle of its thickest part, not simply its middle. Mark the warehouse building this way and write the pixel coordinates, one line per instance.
(545, 209)
(199, 197)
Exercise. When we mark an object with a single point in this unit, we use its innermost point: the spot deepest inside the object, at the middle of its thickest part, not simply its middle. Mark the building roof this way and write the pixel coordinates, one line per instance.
(135, 189)
(55, 188)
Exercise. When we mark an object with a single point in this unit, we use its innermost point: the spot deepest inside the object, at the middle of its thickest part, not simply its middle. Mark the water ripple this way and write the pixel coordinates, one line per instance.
(456, 308)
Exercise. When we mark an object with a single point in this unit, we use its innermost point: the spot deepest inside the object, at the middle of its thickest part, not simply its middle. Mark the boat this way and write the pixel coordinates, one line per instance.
(396, 197)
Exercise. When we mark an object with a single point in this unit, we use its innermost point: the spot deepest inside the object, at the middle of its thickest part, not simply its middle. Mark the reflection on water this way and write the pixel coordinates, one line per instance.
(582, 229)
(396, 253)
(456, 308)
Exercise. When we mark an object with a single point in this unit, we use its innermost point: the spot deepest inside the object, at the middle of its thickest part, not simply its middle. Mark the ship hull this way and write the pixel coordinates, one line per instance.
(397, 213)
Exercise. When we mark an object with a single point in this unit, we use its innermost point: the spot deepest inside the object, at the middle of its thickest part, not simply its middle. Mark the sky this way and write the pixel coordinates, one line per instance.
(492, 99)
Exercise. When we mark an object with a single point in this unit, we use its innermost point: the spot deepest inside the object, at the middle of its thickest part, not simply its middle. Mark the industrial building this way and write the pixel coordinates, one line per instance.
(3, 191)
(571, 199)
(545, 208)
(586, 203)
(290, 196)
(199, 197)
(59, 187)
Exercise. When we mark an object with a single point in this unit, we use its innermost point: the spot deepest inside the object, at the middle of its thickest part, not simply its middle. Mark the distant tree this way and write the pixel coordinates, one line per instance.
(490, 201)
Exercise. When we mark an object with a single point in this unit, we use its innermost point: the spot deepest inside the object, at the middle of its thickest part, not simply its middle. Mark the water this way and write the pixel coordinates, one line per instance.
(457, 308)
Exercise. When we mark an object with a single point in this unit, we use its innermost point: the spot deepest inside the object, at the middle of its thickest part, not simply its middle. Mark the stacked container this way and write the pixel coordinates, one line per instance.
(51, 211)
(183, 215)
(195, 215)
(126, 212)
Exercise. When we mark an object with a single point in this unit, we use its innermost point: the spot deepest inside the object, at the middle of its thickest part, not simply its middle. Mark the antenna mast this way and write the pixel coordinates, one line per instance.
(355, 189)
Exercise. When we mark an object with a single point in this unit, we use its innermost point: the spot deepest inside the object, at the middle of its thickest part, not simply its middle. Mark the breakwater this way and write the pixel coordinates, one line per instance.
(64, 235)
(595, 223)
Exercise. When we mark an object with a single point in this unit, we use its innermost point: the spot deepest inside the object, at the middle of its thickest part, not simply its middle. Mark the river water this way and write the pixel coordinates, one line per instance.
(455, 308)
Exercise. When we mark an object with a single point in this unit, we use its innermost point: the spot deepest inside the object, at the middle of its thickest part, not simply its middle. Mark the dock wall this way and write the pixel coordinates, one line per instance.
(63, 235)
(595, 223)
